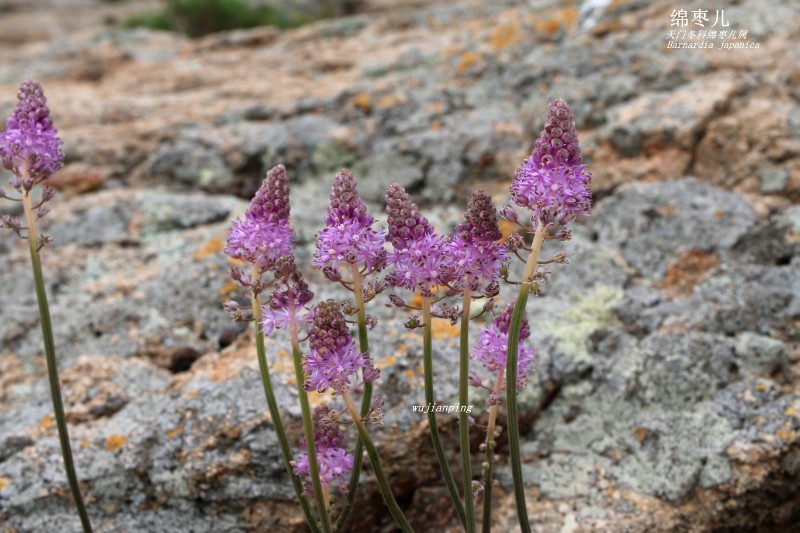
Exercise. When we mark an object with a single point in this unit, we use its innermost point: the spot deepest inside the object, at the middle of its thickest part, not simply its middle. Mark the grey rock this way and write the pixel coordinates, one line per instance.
(773, 180)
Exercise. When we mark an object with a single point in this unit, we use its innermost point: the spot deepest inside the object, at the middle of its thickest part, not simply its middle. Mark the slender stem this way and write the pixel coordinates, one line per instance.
(366, 400)
(489, 458)
(463, 416)
(274, 413)
(308, 430)
(388, 497)
(427, 362)
(52, 365)
(511, 379)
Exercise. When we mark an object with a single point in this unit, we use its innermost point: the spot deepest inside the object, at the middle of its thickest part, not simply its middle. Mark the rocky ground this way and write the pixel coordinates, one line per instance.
(667, 394)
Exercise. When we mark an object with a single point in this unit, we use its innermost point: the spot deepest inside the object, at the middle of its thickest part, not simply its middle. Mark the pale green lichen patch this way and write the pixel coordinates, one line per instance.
(590, 313)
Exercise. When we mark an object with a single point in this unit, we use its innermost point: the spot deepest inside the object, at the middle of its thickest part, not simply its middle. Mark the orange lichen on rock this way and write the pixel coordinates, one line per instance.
(210, 248)
(4, 482)
(690, 269)
(468, 60)
(363, 101)
(506, 35)
(115, 442)
(443, 329)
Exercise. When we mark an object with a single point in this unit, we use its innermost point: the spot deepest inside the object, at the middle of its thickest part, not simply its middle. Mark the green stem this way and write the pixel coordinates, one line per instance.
(489, 459)
(274, 413)
(427, 362)
(52, 366)
(366, 400)
(388, 497)
(308, 430)
(511, 379)
(463, 416)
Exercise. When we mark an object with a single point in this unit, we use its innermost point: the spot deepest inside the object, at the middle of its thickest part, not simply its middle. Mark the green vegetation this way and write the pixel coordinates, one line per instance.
(202, 17)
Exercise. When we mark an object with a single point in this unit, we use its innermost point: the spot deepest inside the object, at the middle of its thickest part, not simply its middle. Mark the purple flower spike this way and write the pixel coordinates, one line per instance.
(346, 204)
(335, 463)
(553, 182)
(334, 361)
(405, 222)
(418, 256)
(271, 201)
(263, 234)
(473, 253)
(480, 220)
(349, 237)
(492, 345)
(29, 147)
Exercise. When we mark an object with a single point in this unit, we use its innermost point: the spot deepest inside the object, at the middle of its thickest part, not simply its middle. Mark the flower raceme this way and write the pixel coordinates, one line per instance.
(333, 362)
(474, 254)
(29, 147)
(335, 463)
(348, 236)
(491, 347)
(263, 234)
(553, 182)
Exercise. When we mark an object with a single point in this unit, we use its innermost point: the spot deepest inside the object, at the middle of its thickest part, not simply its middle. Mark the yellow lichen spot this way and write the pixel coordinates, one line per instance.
(84, 443)
(316, 399)
(759, 420)
(409, 373)
(227, 288)
(209, 249)
(505, 35)
(4, 482)
(172, 433)
(467, 60)
(719, 213)
(436, 125)
(443, 329)
(386, 362)
(192, 394)
(791, 411)
(640, 433)
(391, 100)
(46, 422)
(762, 387)
(115, 442)
(363, 101)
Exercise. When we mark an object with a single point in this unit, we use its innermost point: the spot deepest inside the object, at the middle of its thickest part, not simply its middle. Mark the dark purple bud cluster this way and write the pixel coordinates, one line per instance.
(480, 220)
(334, 361)
(291, 290)
(345, 203)
(557, 145)
(405, 222)
(503, 321)
(271, 201)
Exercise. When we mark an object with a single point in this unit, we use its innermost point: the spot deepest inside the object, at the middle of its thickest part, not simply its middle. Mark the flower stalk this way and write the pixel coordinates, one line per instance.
(52, 365)
(463, 416)
(488, 464)
(427, 363)
(272, 404)
(511, 377)
(372, 452)
(363, 345)
(308, 431)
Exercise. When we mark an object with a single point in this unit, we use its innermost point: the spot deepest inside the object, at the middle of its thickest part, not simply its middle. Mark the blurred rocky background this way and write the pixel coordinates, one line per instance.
(667, 394)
